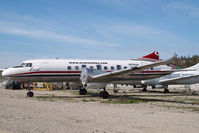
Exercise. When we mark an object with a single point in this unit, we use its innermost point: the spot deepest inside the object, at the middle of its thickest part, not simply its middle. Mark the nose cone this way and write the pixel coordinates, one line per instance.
(5, 73)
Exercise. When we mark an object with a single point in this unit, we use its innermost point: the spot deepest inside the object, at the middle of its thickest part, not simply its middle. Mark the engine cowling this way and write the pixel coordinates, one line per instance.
(86, 75)
(86, 78)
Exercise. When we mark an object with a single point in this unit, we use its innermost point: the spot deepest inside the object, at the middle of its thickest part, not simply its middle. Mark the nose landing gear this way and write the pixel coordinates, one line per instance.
(30, 94)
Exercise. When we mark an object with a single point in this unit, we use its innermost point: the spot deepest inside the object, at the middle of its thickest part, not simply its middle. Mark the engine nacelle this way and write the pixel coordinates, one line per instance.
(95, 85)
(87, 73)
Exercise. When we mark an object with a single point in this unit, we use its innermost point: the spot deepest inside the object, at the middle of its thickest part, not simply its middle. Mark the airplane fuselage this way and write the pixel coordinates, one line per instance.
(69, 70)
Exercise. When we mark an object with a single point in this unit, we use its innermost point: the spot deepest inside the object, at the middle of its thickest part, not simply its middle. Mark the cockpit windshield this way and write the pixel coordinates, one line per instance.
(26, 64)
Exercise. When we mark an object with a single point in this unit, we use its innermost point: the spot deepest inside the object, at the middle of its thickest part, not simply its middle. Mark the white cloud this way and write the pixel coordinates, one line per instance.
(136, 31)
(18, 29)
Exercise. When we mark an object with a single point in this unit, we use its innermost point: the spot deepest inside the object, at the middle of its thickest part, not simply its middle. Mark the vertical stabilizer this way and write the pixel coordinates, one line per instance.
(153, 56)
(196, 67)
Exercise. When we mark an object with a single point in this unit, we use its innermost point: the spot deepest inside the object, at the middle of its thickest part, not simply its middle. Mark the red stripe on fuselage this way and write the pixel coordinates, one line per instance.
(47, 72)
(76, 72)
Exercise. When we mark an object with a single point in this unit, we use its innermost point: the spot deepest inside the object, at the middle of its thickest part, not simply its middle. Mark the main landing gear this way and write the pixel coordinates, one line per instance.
(82, 91)
(104, 94)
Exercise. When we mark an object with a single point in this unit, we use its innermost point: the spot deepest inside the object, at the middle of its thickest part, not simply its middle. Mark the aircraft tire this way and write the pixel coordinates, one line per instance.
(82, 92)
(144, 89)
(104, 94)
(30, 94)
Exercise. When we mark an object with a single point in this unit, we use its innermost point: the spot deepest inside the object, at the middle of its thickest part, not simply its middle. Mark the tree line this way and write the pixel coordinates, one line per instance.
(185, 61)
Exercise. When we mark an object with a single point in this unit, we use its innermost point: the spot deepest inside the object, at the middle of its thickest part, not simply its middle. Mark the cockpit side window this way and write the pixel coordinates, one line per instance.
(23, 64)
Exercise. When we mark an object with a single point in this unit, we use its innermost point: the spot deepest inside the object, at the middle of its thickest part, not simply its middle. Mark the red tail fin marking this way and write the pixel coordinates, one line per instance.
(152, 56)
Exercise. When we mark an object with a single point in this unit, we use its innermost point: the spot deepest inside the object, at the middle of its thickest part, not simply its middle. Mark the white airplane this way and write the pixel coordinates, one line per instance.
(70, 70)
(186, 76)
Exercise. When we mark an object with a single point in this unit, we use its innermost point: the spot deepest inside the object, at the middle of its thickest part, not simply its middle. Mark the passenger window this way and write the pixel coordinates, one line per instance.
(69, 68)
(118, 67)
(76, 67)
(112, 67)
(99, 67)
(105, 67)
(91, 67)
(125, 67)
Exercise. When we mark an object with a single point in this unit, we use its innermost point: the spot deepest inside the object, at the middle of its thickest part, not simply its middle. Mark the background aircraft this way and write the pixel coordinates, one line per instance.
(186, 76)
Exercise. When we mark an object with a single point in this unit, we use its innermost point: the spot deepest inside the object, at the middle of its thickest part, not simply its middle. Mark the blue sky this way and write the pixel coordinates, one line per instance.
(96, 29)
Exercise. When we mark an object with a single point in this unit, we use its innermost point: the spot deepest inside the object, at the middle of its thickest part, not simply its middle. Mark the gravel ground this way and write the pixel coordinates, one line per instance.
(66, 112)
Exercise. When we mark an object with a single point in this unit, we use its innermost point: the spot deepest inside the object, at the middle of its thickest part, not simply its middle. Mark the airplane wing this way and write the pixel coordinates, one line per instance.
(173, 80)
(109, 76)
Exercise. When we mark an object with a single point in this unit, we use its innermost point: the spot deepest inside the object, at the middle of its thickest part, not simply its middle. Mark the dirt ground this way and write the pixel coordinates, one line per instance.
(129, 111)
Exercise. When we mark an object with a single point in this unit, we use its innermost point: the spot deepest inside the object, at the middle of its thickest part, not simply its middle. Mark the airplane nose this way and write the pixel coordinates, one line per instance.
(5, 73)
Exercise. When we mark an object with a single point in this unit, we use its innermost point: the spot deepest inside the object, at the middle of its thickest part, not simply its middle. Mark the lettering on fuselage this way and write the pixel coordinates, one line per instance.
(88, 63)
(133, 64)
